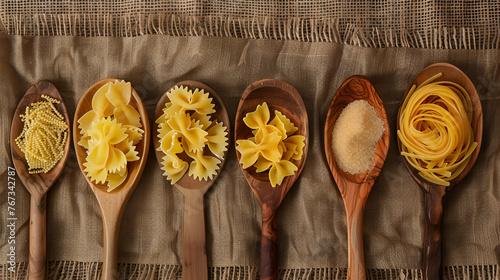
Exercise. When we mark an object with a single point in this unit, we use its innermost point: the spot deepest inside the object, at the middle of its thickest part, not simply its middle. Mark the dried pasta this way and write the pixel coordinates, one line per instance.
(435, 130)
(110, 133)
(186, 127)
(43, 136)
(273, 146)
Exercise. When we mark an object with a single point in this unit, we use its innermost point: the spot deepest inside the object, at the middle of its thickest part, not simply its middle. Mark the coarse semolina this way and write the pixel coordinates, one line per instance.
(355, 134)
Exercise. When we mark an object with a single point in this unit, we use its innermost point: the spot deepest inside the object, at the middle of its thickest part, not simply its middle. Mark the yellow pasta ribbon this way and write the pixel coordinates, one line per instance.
(435, 130)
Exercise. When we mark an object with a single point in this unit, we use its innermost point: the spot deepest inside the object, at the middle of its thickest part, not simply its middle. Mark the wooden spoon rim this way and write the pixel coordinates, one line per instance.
(33, 94)
(339, 102)
(135, 168)
(262, 186)
(453, 74)
(187, 182)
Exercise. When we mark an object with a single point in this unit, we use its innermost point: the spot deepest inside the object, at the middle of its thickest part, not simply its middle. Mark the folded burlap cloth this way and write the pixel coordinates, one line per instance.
(314, 46)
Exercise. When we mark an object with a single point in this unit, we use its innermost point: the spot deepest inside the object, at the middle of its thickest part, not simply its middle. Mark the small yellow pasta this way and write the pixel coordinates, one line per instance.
(267, 148)
(216, 139)
(202, 167)
(110, 133)
(279, 170)
(192, 133)
(186, 127)
(44, 135)
(174, 167)
(182, 100)
(273, 144)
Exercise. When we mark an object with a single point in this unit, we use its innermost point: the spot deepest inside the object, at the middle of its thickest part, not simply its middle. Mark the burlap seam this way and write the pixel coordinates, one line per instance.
(257, 27)
(91, 270)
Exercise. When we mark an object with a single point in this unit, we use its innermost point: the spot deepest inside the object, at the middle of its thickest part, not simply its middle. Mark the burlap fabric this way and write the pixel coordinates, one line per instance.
(311, 220)
(446, 24)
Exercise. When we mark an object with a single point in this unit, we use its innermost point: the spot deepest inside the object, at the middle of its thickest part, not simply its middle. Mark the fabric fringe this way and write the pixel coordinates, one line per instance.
(91, 271)
(3, 30)
(261, 27)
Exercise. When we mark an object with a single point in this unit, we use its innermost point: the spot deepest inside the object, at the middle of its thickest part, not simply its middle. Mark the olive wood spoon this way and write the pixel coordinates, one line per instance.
(434, 193)
(37, 184)
(282, 97)
(194, 252)
(356, 188)
(112, 204)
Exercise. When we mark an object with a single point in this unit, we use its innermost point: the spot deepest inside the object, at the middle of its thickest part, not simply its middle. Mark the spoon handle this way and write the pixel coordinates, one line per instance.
(355, 253)
(194, 252)
(269, 247)
(37, 245)
(111, 224)
(432, 241)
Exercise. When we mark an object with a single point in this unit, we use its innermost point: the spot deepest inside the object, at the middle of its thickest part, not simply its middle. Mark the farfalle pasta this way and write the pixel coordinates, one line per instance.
(186, 128)
(110, 133)
(273, 146)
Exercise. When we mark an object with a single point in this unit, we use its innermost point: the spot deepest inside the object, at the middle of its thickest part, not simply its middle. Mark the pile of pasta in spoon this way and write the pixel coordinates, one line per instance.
(43, 136)
(273, 147)
(110, 133)
(191, 140)
(435, 130)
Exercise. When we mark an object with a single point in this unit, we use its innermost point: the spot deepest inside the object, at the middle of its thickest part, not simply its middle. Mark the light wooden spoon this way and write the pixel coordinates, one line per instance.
(283, 97)
(112, 204)
(37, 184)
(194, 252)
(434, 193)
(356, 188)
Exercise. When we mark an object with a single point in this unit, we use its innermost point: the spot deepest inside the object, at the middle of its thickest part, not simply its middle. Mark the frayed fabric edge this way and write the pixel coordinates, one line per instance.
(92, 270)
(3, 30)
(298, 29)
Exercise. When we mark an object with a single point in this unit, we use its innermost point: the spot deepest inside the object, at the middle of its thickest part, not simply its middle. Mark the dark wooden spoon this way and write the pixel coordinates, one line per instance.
(37, 184)
(356, 188)
(283, 97)
(113, 204)
(194, 252)
(434, 193)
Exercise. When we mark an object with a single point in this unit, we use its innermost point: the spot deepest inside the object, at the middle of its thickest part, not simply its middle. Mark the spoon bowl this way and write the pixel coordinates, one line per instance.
(112, 204)
(194, 255)
(434, 193)
(356, 188)
(283, 97)
(37, 184)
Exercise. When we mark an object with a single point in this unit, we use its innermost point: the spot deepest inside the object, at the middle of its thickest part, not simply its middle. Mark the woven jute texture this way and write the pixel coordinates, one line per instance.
(312, 229)
(394, 23)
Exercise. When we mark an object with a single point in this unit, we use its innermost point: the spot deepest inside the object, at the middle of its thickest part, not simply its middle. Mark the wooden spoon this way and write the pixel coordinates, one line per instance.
(112, 204)
(37, 184)
(434, 193)
(283, 97)
(194, 253)
(356, 188)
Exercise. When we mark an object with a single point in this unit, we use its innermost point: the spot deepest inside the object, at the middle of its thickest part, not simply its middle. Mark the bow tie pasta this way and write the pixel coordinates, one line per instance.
(110, 133)
(184, 130)
(273, 146)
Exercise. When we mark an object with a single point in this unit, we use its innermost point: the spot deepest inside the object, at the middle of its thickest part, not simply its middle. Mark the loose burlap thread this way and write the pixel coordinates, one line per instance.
(394, 23)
